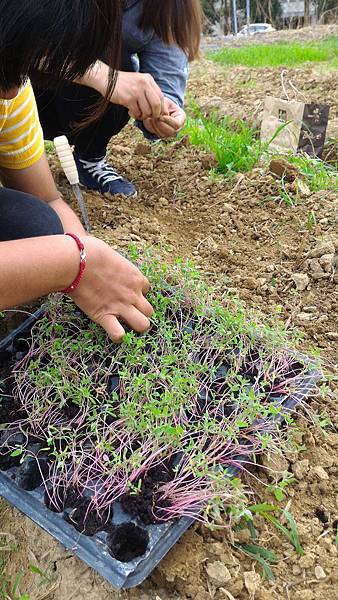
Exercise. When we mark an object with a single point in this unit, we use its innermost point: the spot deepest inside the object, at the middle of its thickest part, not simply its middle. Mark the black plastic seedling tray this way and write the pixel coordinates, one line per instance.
(156, 540)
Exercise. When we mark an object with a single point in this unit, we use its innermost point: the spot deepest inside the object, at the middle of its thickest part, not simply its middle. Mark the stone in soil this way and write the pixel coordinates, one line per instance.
(319, 572)
(325, 247)
(252, 582)
(320, 473)
(301, 280)
(218, 573)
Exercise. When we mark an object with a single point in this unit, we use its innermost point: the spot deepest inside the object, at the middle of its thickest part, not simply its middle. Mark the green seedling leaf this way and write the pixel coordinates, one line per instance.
(261, 555)
(17, 452)
(37, 571)
(16, 583)
(262, 508)
(291, 535)
(263, 552)
(279, 494)
(252, 530)
(294, 532)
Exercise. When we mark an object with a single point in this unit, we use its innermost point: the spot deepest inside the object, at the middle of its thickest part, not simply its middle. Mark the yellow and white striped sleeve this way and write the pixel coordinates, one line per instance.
(21, 137)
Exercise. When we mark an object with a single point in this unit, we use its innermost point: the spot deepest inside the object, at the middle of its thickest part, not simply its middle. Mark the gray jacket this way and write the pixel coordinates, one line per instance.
(143, 51)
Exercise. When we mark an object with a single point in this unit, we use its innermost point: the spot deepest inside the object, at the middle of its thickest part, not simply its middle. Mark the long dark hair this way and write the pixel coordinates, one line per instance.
(175, 22)
(55, 41)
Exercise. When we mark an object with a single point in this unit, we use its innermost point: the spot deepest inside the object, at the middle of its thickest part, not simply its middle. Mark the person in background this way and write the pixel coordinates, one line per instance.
(56, 40)
(159, 38)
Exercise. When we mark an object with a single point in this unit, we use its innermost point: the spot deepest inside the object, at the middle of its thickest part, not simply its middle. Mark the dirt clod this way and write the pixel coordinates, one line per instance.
(218, 573)
(300, 468)
(301, 280)
(320, 473)
(251, 582)
(283, 169)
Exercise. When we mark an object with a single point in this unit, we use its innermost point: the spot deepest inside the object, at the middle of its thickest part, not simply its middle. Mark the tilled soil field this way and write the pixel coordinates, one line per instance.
(239, 233)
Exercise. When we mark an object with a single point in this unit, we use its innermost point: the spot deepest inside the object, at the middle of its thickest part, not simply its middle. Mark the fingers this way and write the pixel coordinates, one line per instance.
(144, 307)
(135, 319)
(135, 110)
(155, 103)
(163, 130)
(145, 286)
(170, 121)
(113, 328)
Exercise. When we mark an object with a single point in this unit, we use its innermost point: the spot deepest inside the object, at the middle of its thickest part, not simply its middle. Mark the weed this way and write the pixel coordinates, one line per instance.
(232, 142)
(9, 587)
(277, 55)
(324, 422)
(262, 555)
(318, 175)
(286, 197)
(49, 147)
(311, 220)
(279, 488)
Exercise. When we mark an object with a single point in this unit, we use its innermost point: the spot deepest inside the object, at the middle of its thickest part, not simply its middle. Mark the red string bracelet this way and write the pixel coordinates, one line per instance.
(83, 262)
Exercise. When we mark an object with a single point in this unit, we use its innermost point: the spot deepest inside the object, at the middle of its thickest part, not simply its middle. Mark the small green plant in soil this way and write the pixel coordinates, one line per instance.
(317, 174)
(9, 587)
(277, 55)
(49, 147)
(161, 422)
(287, 529)
(233, 142)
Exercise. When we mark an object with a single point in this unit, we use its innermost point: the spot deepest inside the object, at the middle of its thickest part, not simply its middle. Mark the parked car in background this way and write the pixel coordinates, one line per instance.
(256, 28)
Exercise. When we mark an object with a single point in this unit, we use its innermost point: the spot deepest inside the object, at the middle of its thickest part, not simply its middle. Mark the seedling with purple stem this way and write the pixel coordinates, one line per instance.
(166, 418)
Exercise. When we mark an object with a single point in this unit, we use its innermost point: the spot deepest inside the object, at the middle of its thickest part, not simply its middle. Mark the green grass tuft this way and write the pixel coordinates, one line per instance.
(232, 142)
(319, 176)
(277, 55)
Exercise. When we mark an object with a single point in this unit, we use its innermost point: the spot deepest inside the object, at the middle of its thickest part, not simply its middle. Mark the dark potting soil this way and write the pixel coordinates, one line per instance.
(9, 440)
(88, 521)
(127, 542)
(141, 504)
(7, 410)
(32, 473)
(71, 410)
(63, 498)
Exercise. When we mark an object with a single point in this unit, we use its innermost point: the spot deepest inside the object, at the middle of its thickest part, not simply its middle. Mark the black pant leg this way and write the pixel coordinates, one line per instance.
(24, 216)
(61, 111)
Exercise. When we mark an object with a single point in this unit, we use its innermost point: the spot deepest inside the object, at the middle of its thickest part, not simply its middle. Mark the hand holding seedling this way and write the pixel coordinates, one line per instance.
(169, 123)
(113, 289)
(139, 93)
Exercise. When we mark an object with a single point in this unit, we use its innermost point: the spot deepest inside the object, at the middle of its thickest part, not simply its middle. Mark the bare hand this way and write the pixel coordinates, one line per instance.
(113, 289)
(140, 94)
(167, 125)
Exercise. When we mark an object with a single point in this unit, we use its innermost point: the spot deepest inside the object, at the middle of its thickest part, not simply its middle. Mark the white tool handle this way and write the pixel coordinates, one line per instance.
(66, 158)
